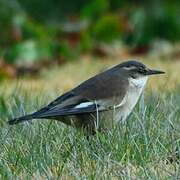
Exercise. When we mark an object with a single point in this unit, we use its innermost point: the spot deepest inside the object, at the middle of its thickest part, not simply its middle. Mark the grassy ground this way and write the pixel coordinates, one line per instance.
(138, 149)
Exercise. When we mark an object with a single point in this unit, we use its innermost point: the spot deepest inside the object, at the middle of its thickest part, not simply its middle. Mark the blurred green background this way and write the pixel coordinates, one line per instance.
(49, 47)
(34, 34)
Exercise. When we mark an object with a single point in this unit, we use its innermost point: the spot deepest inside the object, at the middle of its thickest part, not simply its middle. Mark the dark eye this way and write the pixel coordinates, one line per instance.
(133, 76)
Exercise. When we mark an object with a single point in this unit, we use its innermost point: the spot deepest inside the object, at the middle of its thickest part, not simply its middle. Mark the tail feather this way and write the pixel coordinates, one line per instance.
(20, 119)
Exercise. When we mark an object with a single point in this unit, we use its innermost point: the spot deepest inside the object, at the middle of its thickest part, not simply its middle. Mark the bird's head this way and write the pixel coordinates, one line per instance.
(137, 70)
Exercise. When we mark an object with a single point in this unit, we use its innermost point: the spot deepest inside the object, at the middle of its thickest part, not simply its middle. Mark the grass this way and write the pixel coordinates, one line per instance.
(138, 149)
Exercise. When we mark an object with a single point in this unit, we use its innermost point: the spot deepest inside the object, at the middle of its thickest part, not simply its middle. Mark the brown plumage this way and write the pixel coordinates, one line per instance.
(98, 102)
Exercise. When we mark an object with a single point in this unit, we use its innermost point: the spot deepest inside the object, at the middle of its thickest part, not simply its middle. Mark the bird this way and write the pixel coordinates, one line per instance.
(100, 102)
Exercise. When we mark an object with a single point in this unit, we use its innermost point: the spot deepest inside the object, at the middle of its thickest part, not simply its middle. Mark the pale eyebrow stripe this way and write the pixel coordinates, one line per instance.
(129, 68)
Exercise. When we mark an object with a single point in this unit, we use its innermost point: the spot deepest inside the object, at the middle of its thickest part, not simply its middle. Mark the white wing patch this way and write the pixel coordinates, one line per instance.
(84, 105)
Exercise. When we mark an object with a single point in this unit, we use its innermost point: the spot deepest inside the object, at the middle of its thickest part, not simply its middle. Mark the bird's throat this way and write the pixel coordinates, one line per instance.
(138, 83)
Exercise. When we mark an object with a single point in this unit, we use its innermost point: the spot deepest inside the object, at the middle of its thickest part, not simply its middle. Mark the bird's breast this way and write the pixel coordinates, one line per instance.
(133, 93)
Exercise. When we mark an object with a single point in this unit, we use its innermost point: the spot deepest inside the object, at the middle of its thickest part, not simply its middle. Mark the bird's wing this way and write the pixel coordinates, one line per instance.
(102, 92)
(70, 105)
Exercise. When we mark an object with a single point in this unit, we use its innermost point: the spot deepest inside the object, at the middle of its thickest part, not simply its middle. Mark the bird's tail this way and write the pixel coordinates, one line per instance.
(21, 119)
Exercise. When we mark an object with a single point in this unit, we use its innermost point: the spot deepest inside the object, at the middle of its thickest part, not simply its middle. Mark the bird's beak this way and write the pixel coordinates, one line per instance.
(154, 72)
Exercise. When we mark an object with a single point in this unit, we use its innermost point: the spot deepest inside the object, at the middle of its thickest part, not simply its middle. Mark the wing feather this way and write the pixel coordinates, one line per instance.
(103, 91)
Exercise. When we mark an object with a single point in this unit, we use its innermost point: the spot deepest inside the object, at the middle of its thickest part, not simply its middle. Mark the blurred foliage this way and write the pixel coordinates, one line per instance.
(33, 31)
(52, 10)
(107, 28)
(29, 52)
(8, 9)
(95, 9)
(154, 22)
